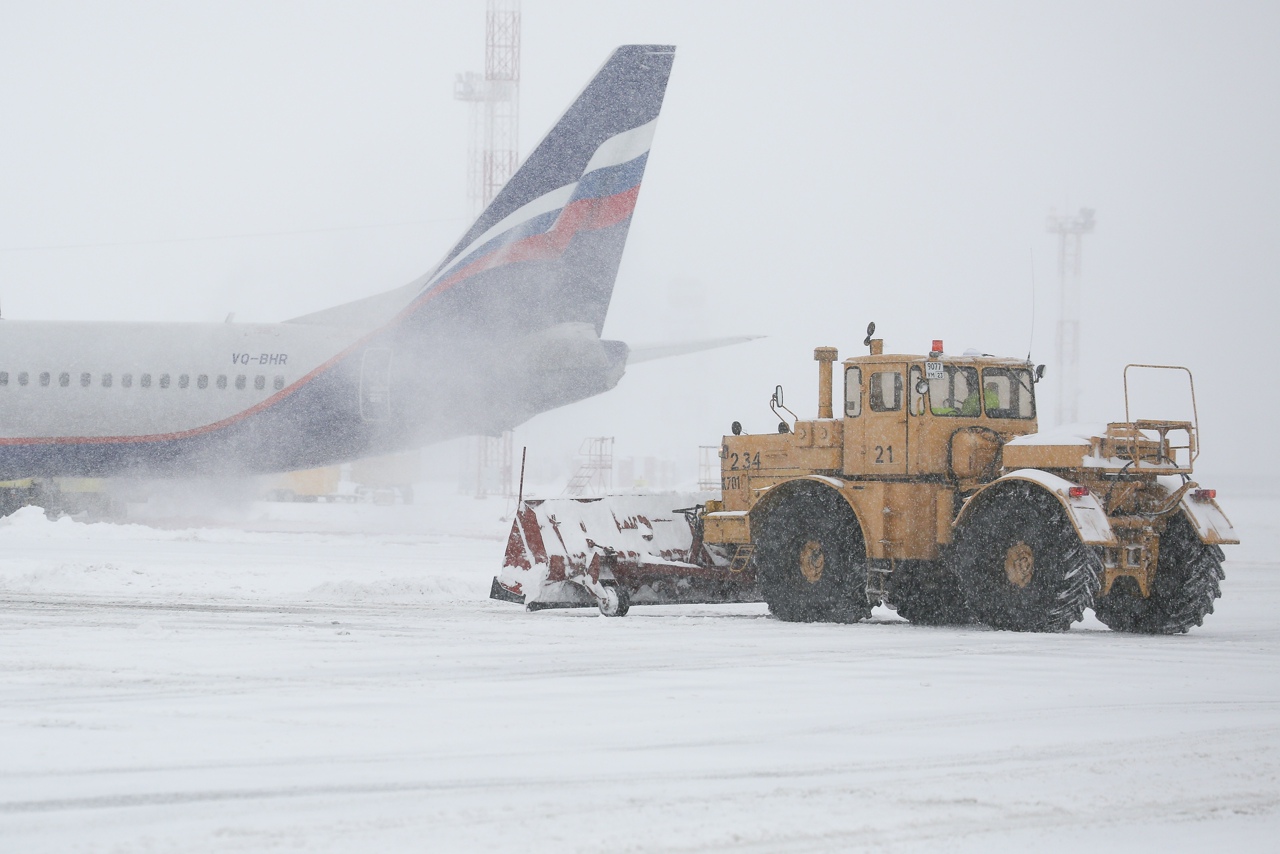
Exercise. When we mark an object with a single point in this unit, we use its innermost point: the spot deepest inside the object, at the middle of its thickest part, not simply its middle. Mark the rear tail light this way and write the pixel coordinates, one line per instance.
(1204, 494)
(1078, 491)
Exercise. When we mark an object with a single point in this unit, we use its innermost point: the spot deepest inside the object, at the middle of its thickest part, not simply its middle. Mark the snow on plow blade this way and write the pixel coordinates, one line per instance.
(615, 552)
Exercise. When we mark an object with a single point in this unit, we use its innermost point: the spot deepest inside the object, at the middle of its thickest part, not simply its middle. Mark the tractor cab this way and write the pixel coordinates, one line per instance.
(935, 415)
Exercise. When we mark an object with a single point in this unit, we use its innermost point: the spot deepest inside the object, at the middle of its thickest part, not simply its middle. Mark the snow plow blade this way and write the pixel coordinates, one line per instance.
(616, 552)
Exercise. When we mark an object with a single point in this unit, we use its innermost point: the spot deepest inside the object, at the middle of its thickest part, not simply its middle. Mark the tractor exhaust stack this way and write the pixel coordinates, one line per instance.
(824, 357)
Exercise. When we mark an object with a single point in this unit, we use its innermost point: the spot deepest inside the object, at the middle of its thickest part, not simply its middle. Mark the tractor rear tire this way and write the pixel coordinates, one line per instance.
(810, 559)
(1021, 564)
(928, 595)
(1182, 595)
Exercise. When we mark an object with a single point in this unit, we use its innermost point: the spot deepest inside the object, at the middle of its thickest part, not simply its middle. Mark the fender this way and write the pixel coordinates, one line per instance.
(768, 495)
(1085, 512)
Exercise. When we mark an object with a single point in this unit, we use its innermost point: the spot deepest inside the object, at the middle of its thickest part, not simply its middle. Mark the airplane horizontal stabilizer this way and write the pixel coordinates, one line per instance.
(680, 348)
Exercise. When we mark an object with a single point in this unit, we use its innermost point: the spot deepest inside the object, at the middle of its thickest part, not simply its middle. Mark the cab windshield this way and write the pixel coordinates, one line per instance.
(953, 391)
(1008, 393)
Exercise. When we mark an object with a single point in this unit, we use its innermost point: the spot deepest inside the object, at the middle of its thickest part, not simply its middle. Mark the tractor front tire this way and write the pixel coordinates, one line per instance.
(1187, 579)
(1021, 564)
(810, 558)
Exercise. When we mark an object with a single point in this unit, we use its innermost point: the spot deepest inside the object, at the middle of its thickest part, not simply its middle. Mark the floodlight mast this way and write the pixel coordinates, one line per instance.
(1070, 231)
(495, 100)
(493, 156)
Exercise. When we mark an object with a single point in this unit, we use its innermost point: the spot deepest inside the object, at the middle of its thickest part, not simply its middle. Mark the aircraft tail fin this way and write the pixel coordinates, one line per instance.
(546, 250)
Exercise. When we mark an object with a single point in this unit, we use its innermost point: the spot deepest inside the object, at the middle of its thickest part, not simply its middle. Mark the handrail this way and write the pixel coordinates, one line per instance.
(1194, 441)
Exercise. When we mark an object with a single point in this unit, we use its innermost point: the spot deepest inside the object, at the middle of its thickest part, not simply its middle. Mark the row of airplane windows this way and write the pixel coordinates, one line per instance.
(144, 380)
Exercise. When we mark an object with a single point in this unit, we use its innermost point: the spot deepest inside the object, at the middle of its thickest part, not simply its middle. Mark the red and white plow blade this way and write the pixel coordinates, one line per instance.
(615, 552)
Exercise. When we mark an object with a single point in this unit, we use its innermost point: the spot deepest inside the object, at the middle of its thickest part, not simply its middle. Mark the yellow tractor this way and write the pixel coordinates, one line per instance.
(933, 493)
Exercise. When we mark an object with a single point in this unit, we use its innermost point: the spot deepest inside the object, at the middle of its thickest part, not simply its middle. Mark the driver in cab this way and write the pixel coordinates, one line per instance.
(972, 405)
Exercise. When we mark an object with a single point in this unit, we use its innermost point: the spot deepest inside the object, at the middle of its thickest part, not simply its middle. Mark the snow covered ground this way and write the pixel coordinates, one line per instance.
(316, 678)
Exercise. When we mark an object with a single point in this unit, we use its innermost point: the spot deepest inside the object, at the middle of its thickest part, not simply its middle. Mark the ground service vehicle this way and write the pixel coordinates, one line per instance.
(59, 496)
(932, 492)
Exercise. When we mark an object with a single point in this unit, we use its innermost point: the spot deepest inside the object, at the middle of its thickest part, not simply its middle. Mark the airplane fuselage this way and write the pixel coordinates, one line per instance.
(185, 398)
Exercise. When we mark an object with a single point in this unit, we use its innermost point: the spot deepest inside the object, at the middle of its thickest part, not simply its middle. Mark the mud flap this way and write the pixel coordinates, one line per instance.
(1211, 525)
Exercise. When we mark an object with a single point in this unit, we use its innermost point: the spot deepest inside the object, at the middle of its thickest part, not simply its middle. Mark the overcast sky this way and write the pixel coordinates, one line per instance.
(817, 166)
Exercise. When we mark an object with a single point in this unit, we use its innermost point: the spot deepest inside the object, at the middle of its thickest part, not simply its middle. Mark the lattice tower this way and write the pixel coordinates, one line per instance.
(1070, 231)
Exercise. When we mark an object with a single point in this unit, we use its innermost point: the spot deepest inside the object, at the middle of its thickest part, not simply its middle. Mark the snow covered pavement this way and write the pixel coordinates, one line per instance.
(293, 684)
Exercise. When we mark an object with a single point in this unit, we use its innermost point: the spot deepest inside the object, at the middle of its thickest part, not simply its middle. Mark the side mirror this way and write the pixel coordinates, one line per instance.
(775, 403)
(922, 387)
(1039, 372)
(871, 330)
(736, 427)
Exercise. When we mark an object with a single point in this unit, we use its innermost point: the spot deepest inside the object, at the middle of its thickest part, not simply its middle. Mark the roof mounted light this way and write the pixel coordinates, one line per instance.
(936, 350)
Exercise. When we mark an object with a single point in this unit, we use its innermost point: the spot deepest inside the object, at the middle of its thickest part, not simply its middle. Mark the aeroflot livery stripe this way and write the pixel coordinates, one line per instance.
(604, 196)
(617, 166)
(577, 216)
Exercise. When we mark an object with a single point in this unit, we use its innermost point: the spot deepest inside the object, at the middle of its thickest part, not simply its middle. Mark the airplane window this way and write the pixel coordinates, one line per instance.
(44, 378)
(183, 380)
(4, 377)
(106, 380)
(22, 378)
(279, 382)
(64, 379)
(240, 382)
(145, 382)
(126, 381)
(259, 382)
(222, 380)
(202, 381)
(86, 380)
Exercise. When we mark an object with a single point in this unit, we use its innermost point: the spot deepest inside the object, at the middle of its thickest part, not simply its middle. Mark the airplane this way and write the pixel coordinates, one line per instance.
(506, 326)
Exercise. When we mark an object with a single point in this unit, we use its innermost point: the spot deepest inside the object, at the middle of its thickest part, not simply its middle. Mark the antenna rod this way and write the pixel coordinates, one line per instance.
(1032, 338)
(520, 501)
